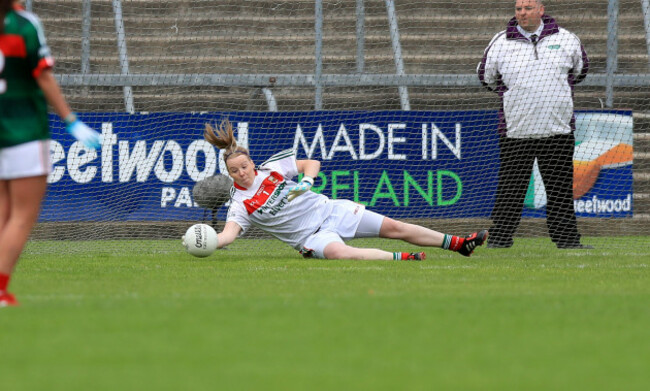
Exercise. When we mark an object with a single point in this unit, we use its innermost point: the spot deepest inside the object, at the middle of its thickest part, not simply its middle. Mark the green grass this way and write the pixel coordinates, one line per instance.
(106, 317)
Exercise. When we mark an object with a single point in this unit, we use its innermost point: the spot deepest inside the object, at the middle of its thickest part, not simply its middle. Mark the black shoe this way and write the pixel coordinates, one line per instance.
(472, 241)
(575, 246)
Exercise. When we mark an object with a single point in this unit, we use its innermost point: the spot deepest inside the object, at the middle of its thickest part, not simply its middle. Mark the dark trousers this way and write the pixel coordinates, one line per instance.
(555, 160)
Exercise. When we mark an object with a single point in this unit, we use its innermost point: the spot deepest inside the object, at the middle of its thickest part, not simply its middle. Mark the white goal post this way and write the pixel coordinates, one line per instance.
(384, 93)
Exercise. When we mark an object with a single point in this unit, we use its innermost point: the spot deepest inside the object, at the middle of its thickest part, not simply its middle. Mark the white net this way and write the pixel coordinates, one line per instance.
(384, 93)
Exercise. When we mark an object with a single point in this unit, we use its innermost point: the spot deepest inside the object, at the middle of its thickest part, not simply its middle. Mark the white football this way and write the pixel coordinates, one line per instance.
(200, 240)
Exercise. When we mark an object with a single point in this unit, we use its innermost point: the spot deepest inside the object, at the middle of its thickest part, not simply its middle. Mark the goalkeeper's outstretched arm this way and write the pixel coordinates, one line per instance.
(310, 169)
(230, 232)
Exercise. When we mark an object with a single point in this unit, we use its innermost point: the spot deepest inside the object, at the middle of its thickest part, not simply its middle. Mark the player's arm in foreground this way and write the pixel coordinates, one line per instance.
(309, 169)
(230, 232)
(54, 97)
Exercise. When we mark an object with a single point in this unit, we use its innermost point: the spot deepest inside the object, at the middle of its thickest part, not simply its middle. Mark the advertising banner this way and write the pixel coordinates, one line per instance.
(602, 174)
(403, 164)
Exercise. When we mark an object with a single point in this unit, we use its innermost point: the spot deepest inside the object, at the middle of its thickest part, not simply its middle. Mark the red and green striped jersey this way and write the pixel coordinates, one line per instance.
(24, 54)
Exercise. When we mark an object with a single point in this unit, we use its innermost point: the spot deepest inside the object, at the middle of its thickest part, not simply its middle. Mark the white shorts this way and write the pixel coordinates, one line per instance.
(25, 160)
(348, 220)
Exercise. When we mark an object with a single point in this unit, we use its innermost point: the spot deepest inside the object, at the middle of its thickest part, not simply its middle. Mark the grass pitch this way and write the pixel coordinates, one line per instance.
(146, 316)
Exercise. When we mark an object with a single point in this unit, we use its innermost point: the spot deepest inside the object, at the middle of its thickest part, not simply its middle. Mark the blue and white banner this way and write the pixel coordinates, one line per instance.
(402, 164)
(602, 175)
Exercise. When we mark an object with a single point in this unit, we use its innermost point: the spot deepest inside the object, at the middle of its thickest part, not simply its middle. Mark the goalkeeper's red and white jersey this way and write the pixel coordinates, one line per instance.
(265, 205)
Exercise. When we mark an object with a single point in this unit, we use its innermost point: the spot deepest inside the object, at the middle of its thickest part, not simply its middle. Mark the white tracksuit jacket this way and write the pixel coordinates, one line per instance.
(534, 81)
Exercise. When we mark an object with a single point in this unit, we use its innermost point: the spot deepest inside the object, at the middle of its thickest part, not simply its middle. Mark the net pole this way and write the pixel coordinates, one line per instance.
(124, 59)
(645, 6)
(397, 53)
(85, 38)
(361, 16)
(612, 50)
(270, 99)
(318, 73)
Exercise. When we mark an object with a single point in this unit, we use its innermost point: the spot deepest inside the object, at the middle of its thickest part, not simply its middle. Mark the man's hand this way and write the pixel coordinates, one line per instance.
(305, 184)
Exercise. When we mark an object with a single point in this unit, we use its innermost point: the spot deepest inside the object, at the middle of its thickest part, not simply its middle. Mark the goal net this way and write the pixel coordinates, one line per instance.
(384, 93)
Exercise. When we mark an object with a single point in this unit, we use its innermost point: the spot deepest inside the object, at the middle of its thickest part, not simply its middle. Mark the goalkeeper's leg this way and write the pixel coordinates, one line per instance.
(422, 236)
(327, 244)
(337, 250)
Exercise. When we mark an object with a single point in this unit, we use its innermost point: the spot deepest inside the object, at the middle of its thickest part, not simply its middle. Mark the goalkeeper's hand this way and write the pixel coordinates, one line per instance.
(81, 131)
(305, 184)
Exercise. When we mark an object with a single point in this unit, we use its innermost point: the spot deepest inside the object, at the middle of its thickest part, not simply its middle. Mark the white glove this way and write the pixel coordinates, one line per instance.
(305, 184)
(81, 131)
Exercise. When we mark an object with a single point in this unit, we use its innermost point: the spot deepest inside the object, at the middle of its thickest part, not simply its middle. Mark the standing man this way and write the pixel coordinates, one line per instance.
(533, 65)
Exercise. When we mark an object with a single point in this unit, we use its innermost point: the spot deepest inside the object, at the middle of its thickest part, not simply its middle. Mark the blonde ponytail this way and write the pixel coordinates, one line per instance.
(223, 137)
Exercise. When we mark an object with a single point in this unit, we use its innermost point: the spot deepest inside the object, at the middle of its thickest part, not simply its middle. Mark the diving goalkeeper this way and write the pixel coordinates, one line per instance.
(316, 226)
